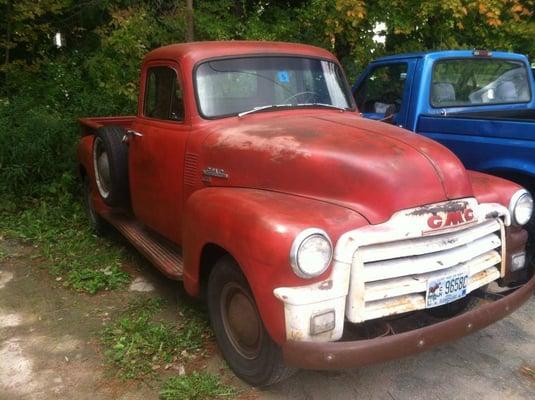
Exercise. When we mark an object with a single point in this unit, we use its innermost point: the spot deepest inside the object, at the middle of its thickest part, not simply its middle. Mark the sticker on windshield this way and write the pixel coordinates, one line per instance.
(283, 77)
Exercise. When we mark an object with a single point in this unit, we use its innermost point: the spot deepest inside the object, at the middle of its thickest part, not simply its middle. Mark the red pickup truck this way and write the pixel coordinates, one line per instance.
(319, 239)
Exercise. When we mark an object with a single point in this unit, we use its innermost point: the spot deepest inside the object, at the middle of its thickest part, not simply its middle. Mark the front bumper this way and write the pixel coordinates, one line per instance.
(383, 270)
(339, 355)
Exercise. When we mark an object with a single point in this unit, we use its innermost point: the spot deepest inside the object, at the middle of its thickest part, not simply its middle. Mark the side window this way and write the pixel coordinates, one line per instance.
(163, 95)
(382, 90)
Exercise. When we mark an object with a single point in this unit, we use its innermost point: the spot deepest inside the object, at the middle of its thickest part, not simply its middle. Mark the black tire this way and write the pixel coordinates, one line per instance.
(451, 309)
(98, 224)
(248, 349)
(110, 161)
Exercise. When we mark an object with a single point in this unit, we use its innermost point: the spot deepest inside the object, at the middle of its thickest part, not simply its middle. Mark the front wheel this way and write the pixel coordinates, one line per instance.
(246, 345)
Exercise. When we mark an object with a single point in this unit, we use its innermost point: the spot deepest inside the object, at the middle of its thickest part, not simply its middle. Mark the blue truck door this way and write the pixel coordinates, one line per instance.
(384, 90)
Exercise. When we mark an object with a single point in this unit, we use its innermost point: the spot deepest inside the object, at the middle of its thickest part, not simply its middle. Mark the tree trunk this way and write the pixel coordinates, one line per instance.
(8, 33)
(189, 21)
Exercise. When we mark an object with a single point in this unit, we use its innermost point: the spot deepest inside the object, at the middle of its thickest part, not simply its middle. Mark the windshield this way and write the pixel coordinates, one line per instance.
(466, 82)
(232, 86)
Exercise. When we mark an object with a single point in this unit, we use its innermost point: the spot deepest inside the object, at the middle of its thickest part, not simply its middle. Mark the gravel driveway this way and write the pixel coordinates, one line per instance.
(48, 351)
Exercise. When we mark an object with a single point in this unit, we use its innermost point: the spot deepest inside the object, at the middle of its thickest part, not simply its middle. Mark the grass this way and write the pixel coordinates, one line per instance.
(58, 226)
(137, 345)
(3, 255)
(196, 386)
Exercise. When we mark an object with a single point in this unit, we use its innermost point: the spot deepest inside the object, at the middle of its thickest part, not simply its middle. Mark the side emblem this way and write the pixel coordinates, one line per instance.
(215, 172)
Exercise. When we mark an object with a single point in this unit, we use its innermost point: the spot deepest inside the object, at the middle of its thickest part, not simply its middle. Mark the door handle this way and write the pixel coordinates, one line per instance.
(134, 133)
(129, 133)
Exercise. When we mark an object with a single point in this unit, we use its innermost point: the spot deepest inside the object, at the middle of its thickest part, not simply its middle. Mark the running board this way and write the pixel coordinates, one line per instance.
(162, 254)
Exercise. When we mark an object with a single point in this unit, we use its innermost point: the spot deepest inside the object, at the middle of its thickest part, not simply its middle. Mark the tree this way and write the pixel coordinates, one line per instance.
(490, 24)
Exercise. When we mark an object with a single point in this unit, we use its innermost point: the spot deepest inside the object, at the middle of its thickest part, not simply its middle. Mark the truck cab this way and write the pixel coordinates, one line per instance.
(319, 239)
(480, 104)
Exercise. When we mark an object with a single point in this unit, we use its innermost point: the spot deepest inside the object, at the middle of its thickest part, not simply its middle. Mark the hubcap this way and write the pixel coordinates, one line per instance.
(241, 321)
(102, 168)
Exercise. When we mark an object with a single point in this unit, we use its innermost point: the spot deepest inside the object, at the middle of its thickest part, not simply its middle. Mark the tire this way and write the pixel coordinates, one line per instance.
(97, 223)
(451, 309)
(248, 349)
(110, 162)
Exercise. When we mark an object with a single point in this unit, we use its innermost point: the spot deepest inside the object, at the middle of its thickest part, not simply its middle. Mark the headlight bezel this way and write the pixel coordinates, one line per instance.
(515, 199)
(298, 241)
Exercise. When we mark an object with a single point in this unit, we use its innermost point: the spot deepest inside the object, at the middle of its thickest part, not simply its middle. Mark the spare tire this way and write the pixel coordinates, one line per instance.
(110, 163)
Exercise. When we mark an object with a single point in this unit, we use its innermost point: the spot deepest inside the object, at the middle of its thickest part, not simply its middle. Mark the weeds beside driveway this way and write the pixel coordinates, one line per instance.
(58, 228)
(139, 339)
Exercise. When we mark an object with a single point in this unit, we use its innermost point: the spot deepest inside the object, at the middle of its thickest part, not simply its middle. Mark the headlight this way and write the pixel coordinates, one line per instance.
(311, 253)
(521, 207)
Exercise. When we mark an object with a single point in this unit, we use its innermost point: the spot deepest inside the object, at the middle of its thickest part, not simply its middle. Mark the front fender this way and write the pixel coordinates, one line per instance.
(491, 189)
(257, 228)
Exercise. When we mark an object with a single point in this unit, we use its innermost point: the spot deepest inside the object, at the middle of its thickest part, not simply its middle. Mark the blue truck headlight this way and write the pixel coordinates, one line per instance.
(311, 253)
(521, 207)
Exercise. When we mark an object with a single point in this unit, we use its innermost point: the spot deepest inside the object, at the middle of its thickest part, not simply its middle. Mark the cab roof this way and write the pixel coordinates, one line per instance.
(451, 54)
(198, 51)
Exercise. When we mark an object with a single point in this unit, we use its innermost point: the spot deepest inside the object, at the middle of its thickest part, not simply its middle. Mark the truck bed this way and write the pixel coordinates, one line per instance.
(89, 124)
(166, 256)
(511, 125)
(507, 115)
(490, 144)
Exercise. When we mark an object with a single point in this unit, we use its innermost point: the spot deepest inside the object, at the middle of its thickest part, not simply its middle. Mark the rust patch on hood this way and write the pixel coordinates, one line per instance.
(279, 144)
(448, 207)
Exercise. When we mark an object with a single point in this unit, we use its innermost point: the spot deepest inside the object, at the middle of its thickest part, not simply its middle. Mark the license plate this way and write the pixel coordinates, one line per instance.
(446, 289)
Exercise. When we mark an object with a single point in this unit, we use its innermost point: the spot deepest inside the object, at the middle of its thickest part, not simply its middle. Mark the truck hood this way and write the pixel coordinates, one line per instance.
(370, 167)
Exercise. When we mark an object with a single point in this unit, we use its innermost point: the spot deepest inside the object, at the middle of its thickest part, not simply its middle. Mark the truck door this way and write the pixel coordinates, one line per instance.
(383, 91)
(156, 151)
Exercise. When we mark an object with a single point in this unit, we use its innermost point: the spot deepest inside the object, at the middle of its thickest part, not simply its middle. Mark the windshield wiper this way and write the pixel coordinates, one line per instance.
(274, 106)
(260, 108)
(321, 105)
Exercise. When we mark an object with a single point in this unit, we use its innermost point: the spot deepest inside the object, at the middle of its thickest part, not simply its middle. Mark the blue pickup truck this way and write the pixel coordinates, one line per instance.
(479, 104)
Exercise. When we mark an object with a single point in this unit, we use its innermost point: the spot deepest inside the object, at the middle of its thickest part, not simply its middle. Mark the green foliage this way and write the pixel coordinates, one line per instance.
(58, 226)
(137, 345)
(196, 386)
(490, 24)
(45, 89)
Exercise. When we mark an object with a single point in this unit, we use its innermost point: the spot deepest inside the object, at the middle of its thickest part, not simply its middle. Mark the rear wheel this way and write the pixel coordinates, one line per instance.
(110, 162)
(98, 224)
(246, 345)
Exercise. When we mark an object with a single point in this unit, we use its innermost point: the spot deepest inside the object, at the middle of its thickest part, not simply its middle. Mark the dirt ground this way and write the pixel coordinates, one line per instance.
(49, 349)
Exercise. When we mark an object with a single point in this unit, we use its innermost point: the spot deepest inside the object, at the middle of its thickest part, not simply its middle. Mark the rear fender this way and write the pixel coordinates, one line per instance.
(84, 153)
(257, 228)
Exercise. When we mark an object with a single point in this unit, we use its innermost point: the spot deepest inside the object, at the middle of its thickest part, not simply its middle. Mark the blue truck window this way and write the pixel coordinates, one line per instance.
(468, 82)
(382, 90)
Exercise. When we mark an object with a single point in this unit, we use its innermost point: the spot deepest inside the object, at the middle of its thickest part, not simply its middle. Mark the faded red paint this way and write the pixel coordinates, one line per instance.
(287, 170)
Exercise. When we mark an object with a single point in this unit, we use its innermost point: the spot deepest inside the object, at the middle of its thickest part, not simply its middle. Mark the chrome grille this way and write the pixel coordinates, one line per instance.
(391, 278)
